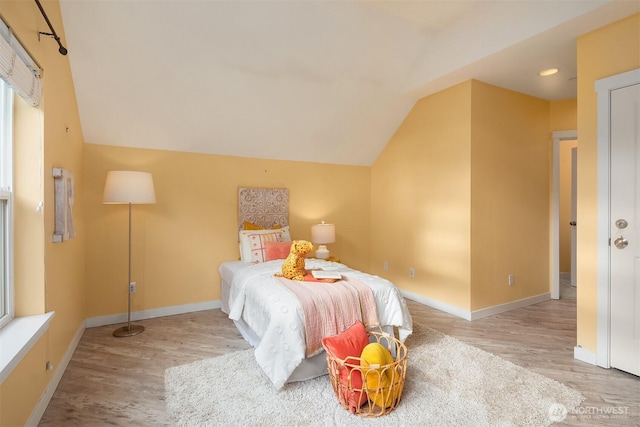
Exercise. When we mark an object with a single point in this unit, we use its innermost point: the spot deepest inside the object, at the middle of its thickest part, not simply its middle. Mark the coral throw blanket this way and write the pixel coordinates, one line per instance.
(330, 308)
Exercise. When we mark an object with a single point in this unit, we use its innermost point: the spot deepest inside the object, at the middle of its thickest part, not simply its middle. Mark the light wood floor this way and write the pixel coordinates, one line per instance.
(120, 381)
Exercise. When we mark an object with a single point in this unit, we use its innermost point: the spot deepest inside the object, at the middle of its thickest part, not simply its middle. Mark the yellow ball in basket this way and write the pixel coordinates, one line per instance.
(375, 361)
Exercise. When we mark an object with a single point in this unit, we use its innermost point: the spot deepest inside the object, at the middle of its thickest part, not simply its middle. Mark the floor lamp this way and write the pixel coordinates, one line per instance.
(128, 187)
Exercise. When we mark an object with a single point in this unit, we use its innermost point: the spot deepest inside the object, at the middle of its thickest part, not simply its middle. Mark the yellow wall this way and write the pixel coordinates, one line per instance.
(38, 260)
(605, 52)
(420, 199)
(23, 388)
(563, 114)
(450, 194)
(510, 170)
(179, 243)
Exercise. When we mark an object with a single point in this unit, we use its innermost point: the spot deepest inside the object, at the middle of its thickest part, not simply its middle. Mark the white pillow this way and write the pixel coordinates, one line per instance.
(286, 236)
(252, 242)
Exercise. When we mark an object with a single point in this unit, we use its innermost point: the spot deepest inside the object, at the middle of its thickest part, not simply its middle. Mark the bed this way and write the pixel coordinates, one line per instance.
(267, 314)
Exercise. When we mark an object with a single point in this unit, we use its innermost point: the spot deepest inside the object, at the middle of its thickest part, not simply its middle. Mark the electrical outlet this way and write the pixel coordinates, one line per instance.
(511, 280)
(385, 266)
(132, 287)
(412, 272)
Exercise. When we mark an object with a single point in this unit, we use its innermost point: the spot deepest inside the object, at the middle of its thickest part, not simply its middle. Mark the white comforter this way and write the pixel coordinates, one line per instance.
(275, 315)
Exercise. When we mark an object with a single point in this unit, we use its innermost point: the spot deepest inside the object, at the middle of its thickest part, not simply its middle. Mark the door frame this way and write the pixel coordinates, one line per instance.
(558, 137)
(603, 88)
(574, 216)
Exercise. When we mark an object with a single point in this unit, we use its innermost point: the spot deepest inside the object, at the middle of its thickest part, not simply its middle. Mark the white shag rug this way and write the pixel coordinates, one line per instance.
(448, 383)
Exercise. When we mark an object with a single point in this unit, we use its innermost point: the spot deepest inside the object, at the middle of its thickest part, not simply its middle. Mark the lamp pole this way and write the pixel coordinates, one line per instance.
(128, 331)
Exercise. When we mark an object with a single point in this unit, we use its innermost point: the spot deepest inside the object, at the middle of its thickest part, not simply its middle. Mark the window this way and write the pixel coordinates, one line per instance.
(6, 205)
(20, 71)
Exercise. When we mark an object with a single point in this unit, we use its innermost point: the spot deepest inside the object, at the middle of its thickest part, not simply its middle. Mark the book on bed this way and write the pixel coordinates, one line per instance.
(326, 274)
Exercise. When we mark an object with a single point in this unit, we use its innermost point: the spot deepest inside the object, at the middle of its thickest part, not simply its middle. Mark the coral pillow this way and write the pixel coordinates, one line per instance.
(277, 250)
(375, 360)
(348, 346)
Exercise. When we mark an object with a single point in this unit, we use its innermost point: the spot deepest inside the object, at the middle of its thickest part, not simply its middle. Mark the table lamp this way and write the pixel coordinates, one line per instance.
(321, 234)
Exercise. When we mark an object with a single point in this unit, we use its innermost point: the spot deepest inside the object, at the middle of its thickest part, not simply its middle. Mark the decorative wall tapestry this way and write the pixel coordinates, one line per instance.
(64, 199)
(265, 207)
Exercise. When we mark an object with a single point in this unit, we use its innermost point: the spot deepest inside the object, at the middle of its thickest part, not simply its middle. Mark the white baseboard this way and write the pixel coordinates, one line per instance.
(439, 305)
(502, 308)
(38, 411)
(584, 355)
(477, 314)
(152, 313)
(565, 275)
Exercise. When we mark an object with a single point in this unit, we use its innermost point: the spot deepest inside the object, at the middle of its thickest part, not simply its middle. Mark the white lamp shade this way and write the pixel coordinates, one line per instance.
(323, 233)
(129, 187)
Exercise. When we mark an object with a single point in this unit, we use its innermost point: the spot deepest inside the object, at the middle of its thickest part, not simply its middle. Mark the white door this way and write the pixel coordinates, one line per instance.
(625, 229)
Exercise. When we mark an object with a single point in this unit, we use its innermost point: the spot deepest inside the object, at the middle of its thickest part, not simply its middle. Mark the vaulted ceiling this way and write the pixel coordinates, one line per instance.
(320, 81)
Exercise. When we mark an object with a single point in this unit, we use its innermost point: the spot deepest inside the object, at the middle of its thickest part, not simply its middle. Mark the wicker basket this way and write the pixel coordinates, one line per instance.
(370, 402)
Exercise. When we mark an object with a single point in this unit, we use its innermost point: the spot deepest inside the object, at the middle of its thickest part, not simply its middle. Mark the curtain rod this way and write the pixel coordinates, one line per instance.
(53, 34)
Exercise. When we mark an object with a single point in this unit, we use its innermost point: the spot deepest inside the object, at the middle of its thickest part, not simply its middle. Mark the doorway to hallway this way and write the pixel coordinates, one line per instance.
(563, 142)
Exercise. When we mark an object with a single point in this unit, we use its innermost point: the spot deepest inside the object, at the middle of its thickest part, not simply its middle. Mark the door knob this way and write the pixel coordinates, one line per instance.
(621, 242)
(573, 223)
(621, 224)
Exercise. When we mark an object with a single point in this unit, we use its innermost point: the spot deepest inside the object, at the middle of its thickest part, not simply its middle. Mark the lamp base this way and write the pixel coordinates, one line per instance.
(322, 252)
(127, 331)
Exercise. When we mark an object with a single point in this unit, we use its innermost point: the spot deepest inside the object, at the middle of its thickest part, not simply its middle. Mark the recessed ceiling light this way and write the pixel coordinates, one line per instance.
(548, 72)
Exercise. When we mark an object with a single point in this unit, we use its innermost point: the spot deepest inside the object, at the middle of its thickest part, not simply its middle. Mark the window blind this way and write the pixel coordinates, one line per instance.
(17, 68)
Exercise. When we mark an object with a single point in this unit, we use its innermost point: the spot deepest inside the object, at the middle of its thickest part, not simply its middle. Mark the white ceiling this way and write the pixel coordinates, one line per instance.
(319, 81)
